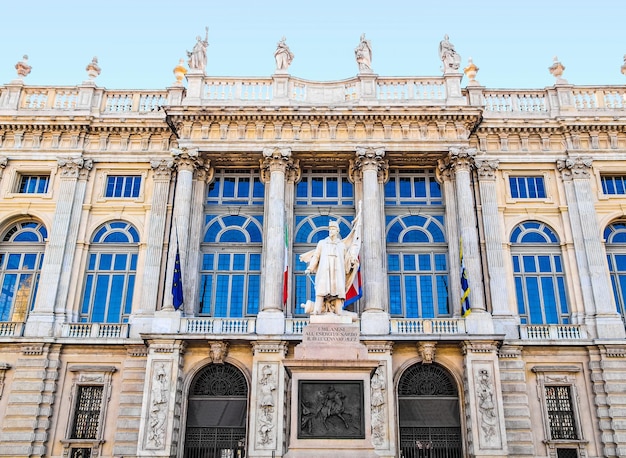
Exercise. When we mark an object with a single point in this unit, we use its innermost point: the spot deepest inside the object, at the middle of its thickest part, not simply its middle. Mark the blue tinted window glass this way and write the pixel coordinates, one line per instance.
(87, 295)
(405, 187)
(426, 293)
(243, 187)
(212, 231)
(529, 264)
(207, 261)
(255, 262)
(206, 284)
(106, 260)
(239, 262)
(544, 264)
(519, 292)
(254, 282)
(346, 188)
(560, 281)
(620, 262)
(133, 262)
(409, 262)
(302, 188)
(441, 263)
(6, 296)
(221, 296)
(425, 262)
(92, 261)
(317, 187)
(214, 188)
(228, 187)
(116, 237)
(223, 262)
(394, 232)
(415, 236)
(129, 294)
(233, 235)
(435, 189)
(259, 189)
(100, 298)
(419, 185)
(442, 295)
(411, 297)
(29, 261)
(332, 189)
(254, 233)
(115, 299)
(26, 236)
(534, 300)
(393, 263)
(120, 261)
(390, 188)
(549, 300)
(557, 264)
(395, 298)
(236, 296)
(14, 261)
(516, 266)
(533, 237)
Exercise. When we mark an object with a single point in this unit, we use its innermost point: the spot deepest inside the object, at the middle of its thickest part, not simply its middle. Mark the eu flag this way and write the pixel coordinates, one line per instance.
(177, 282)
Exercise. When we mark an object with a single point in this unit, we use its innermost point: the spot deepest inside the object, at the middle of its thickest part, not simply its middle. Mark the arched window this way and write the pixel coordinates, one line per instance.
(310, 230)
(231, 265)
(615, 236)
(110, 276)
(21, 255)
(538, 274)
(216, 413)
(428, 411)
(417, 266)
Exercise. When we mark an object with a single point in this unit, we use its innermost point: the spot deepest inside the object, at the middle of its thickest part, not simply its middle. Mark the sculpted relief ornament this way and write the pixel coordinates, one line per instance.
(377, 400)
(159, 397)
(486, 408)
(267, 407)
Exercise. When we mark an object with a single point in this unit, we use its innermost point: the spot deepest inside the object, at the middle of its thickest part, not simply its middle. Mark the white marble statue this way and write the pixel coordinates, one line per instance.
(363, 54)
(335, 262)
(283, 55)
(450, 58)
(197, 56)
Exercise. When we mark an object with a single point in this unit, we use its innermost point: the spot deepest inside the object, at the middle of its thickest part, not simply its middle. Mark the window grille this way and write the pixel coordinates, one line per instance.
(80, 452)
(33, 184)
(527, 187)
(123, 186)
(566, 453)
(87, 413)
(560, 413)
(613, 184)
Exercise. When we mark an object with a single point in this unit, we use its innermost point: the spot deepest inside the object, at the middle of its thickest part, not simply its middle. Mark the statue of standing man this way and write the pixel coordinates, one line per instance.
(335, 262)
(197, 56)
(450, 58)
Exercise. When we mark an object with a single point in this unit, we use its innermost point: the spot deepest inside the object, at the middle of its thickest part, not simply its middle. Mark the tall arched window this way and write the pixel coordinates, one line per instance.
(110, 276)
(417, 266)
(310, 230)
(21, 255)
(538, 274)
(230, 273)
(615, 236)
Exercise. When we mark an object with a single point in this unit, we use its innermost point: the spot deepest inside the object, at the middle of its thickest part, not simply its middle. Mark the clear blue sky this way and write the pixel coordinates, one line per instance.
(138, 42)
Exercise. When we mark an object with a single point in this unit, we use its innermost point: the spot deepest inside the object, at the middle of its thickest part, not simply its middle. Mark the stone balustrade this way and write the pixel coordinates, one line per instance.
(565, 100)
(95, 330)
(414, 326)
(218, 325)
(552, 332)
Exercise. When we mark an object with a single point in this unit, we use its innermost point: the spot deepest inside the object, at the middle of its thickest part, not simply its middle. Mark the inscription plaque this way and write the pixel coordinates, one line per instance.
(330, 409)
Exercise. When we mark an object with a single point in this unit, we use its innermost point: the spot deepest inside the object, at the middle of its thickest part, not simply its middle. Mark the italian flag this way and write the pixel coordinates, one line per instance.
(286, 271)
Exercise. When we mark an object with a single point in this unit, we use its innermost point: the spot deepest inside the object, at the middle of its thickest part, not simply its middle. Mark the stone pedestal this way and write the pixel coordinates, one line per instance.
(330, 393)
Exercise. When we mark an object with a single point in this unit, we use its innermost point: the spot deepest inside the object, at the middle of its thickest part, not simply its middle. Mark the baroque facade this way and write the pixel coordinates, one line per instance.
(218, 185)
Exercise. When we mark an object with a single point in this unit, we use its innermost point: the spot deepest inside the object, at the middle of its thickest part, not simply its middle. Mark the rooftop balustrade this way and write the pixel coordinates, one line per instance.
(285, 90)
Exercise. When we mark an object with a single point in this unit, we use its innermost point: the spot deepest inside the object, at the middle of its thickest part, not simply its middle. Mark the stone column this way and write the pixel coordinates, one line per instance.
(598, 297)
(267, 399)
(461, 161)
(372, 166)
(452, 230)
(159, 429)
(202, 176)
(63, 234)
(293, 176)
(484, 409)
(505, 320)
(155, 240)
(274, 165)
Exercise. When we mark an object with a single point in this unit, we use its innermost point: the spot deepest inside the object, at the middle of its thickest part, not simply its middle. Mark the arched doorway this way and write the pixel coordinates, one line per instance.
(428, 408)
(216, 413)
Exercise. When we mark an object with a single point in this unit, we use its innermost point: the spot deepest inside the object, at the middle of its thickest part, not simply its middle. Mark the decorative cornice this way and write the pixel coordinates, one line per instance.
(281, 347)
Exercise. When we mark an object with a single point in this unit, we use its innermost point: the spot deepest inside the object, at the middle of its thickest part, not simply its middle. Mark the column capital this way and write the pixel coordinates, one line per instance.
(186, 158)
(204, 172)
(74, 167)
(3, 163)
(487, 169)
(479, 346)
(574, 167)
(461, 158)
(162, 169)
(275, 159)
(370, 158)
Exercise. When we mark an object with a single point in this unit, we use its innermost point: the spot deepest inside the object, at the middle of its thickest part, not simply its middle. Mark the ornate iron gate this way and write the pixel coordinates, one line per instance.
(215, 443)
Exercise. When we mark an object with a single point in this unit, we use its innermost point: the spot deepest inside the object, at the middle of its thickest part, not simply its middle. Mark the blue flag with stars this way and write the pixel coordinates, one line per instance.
(177, 282)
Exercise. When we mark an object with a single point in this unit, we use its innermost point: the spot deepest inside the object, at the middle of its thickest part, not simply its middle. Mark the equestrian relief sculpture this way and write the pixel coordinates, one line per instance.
(335, 262)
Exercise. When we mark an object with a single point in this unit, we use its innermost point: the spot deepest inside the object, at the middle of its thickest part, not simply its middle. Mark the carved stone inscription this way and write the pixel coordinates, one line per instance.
(330, 334)
(330, 410)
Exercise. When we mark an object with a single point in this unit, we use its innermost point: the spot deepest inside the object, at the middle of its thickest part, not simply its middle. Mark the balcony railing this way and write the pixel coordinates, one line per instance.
(295, 325)
(218, 325)
(11, 328)
(95, 330)
(416, 326)
(552, 332)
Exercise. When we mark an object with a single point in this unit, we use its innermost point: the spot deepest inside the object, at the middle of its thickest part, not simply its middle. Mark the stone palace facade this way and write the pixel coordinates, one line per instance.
(108, 198)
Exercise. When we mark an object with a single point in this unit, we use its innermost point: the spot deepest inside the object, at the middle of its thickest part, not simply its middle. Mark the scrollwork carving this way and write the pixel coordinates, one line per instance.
(159, 399)
(267, 407)
(487, 408)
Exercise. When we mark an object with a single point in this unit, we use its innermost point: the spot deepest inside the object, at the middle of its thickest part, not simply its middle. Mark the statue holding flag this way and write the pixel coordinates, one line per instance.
(335, 263)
